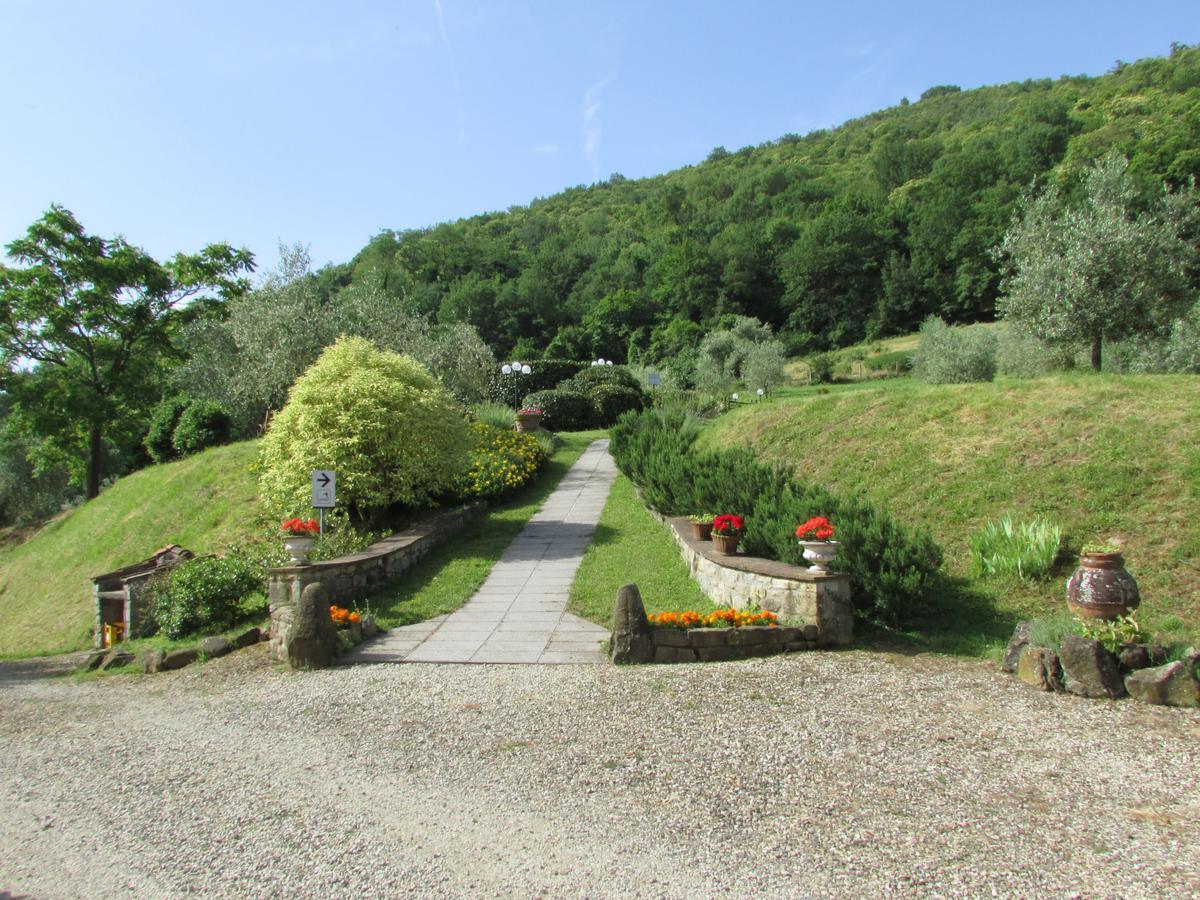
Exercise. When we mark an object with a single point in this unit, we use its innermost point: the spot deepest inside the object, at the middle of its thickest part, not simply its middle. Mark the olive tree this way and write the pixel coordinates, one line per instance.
(1100, 269)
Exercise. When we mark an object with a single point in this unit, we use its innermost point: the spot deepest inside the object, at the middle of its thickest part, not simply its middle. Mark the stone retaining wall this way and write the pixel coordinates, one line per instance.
(790, 592)
(350, 578)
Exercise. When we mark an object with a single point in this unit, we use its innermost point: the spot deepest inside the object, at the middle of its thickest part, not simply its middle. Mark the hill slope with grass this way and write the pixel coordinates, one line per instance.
(1113, 459)
(201, 503)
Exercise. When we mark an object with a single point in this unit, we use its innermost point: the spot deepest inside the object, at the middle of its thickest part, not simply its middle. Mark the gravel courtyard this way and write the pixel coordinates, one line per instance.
(843, 774)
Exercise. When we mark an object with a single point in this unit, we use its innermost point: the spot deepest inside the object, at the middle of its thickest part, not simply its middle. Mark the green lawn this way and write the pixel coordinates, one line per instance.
(630, 545)
(444, 580)
(1109, 458)
(201, 503)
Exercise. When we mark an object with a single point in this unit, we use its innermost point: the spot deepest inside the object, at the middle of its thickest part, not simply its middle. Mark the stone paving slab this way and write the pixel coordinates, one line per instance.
(518, 615)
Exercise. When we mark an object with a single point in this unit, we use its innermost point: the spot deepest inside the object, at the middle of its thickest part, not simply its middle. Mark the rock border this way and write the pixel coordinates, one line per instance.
(1084, 667)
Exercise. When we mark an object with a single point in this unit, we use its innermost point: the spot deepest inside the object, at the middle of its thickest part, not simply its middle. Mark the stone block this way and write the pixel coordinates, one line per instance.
(798, 646)
(1088, 669)
(1169, 685)
(214, 647)
(1013, 652)
(706, 637)
(1039, 667)
(247, 638)
(151, 661)
(670, 637)
(744, 637)
(369, 628)
(177, 659)
(788, 634)
(759, 649)
(674, 654)
(811, 633)
(115, 658)
(313, 642)
(93, 660)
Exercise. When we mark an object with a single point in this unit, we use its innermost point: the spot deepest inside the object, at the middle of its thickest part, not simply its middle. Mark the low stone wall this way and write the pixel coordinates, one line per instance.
(717, 644)
(790, 592)
(349, 578)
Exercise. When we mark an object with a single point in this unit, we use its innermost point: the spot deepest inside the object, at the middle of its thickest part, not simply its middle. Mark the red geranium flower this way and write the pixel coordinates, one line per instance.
(300, 527)
(728, 525)
(817, 528)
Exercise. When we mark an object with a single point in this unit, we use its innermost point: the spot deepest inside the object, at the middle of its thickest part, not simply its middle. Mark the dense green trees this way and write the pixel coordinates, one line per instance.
(863, 230)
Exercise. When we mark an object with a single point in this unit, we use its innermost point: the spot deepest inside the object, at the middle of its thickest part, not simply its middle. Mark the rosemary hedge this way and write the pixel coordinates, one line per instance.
(891, 566)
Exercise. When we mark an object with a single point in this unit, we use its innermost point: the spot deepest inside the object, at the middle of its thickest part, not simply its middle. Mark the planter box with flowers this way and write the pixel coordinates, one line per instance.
(689, 636)
(812, 596)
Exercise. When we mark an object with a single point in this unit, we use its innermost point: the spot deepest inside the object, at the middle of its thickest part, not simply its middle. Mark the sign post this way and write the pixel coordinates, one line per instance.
(324, 485)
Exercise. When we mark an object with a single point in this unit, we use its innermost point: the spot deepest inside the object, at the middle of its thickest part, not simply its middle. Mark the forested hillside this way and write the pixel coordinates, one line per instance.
(859, 231)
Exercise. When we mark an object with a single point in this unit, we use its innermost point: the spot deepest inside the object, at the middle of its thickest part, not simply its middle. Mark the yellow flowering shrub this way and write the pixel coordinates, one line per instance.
(500, 460)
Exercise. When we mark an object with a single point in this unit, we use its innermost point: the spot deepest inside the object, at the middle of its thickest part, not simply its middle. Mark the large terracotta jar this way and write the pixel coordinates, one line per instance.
(1101, 588)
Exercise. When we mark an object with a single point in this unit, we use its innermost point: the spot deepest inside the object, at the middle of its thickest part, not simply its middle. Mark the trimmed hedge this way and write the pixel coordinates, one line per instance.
(563, 410)
(201, 425)
(891, 567)
(614, 400)
(159, 436)
(204, 594)
(546, 374)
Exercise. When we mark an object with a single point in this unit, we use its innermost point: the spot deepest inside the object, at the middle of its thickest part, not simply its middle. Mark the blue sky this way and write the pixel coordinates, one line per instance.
(181, 123)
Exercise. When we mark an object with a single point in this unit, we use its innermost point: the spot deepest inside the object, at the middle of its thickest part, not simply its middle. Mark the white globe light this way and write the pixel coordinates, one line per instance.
(735, 396)
(600, 361)
(609, 363)
(516, 366)
(761, 392)
(506, 369)
(525, 370)
(595, 362)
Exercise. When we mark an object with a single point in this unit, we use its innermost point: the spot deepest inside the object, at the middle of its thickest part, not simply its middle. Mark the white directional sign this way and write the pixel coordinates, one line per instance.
(324, 483)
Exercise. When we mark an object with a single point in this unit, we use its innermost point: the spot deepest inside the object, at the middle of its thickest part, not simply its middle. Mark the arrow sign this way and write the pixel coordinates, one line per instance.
(324, 484)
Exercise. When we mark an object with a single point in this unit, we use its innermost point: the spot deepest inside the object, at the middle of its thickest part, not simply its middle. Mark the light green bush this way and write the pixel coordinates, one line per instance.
(378, 419)
(954, 354)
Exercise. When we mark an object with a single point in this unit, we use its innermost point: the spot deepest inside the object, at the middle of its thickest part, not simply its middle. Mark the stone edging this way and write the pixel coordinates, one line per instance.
(352, 577)
(791, 592)
(673, 645)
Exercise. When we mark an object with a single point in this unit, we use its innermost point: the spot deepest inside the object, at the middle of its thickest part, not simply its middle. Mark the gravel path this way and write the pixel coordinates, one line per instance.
(844, 774)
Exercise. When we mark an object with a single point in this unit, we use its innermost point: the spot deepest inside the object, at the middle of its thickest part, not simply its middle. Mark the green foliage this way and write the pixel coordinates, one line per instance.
(1020, 354)
(201, 425)
(896, 361)
(1024, 550)
(1048, 631)
(203, 595)
(545, 374)
(159, 443)
(1108, 266)
(1112, 634)
(380, 420)
(951, 354)
(84, 321)
(501, 460)
(613, 400)
(892, 567)
(821, 366)
(563, 410)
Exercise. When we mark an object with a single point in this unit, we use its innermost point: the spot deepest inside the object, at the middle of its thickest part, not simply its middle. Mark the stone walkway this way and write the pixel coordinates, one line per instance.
(519, 614)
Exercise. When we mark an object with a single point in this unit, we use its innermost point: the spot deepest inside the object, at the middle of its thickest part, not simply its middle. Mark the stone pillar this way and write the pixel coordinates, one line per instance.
(631, 640)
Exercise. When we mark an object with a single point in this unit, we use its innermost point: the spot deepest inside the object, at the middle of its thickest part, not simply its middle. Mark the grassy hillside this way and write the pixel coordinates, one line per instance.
(1109, 458)
(45, 583)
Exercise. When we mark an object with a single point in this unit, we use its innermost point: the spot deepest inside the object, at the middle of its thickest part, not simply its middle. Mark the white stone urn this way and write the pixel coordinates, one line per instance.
(820, 554)
(298, 547)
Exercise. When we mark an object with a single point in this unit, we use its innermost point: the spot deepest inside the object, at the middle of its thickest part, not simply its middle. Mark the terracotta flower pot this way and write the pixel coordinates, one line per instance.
(1101, 588)
(702, 531)
(726, 544)
(529, 421)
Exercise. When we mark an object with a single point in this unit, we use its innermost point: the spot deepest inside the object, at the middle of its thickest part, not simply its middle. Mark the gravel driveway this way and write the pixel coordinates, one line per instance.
(844, 774)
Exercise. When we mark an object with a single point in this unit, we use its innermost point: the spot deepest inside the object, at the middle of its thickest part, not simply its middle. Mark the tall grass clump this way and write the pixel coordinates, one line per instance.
(496, 415)
(954, 354)
(1026, 550)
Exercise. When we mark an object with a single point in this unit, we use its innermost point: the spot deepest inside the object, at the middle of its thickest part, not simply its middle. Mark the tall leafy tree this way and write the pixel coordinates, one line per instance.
(1104, 268)
(84, 321)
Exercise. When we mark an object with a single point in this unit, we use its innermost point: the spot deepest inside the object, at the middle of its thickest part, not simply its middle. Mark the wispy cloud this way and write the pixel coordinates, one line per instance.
(591, 125)
(546, 149)
(441, 20)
